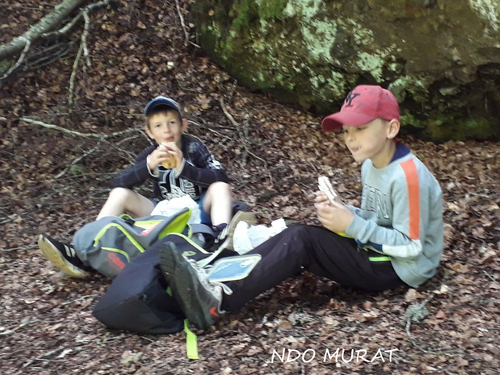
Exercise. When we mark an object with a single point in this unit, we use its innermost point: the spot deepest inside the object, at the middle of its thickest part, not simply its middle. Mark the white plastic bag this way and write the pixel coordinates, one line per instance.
(174, 205)
(246, 237)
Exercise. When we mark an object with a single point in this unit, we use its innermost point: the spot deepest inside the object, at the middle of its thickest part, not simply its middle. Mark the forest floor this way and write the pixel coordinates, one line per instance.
(53, 182)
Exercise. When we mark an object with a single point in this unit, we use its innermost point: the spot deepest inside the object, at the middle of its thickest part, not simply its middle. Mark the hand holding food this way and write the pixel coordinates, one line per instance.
(326, 187)
(170, 163)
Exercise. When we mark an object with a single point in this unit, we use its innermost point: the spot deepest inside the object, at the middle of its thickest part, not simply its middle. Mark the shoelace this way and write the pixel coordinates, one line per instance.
(204, 278)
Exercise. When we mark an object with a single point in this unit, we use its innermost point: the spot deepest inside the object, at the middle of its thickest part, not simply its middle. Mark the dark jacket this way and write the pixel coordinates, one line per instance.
(199, 171)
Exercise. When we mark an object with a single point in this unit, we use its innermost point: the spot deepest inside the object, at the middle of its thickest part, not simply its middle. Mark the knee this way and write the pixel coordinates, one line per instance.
(120, 194)
(299, 232)
(219, 188)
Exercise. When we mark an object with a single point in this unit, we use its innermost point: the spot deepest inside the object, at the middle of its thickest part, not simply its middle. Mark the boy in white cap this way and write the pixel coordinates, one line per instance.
(177, 164)
(395, 238)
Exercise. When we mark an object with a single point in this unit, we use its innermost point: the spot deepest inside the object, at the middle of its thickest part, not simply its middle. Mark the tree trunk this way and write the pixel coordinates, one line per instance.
(47, 23)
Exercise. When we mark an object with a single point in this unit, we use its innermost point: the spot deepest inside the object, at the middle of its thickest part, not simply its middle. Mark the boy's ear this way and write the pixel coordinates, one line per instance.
(393, 129)
(184, 125)
(148, 131)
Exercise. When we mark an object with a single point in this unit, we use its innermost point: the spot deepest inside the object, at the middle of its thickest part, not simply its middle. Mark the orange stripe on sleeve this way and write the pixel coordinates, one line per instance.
(411, 174)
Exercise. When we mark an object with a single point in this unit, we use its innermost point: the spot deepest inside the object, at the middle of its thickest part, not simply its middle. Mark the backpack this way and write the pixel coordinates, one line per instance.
(109, 244)
(138, 299)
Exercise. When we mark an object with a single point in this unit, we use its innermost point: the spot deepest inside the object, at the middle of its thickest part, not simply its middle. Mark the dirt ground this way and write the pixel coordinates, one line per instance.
(54, 181)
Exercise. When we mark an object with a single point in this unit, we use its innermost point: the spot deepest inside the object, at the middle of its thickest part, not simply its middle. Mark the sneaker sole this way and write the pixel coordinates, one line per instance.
(247, 217)
(58, 260)
(184, 285)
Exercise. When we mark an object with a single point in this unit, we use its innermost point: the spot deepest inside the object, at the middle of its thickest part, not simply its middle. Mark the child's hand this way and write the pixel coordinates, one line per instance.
(320, 197)
(159, 155)
(334, 216)
(175, 152)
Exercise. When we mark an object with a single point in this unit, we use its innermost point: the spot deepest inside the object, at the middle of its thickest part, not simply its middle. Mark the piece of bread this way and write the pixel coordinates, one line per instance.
(326, 187)
(170, 163)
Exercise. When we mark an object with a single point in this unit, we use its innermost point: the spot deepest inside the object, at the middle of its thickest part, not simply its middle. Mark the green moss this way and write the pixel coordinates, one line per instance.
(5, 66)
(415, 86)
(406, 118)
(447, 128)
(76, 170)
(271, 9)
(243, 11)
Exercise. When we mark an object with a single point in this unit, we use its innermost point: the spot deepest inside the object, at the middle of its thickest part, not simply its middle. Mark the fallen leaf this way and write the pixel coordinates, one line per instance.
(440, 314)
(411, 295)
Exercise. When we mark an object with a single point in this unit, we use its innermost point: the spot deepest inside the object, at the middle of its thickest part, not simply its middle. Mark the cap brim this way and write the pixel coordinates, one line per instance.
(160, 102)
(338, 119)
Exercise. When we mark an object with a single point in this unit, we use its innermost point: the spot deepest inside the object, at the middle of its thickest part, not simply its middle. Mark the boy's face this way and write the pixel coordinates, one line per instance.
(165, 126)
(373, 141)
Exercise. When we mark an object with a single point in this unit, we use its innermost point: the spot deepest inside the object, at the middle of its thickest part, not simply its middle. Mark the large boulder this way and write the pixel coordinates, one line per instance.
(441, 58)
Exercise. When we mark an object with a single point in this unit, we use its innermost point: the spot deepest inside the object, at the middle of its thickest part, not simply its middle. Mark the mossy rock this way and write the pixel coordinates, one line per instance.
(440, 58)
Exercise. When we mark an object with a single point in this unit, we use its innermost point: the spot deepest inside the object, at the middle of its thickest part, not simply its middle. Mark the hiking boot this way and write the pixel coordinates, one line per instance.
(63, 256)
(198, 297)
(226, 236)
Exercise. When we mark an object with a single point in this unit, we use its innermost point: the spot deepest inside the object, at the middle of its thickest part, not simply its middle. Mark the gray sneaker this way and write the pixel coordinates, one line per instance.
(199, 298)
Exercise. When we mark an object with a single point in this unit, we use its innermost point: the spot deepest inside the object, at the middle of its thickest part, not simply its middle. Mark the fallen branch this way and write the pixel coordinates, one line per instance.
(78, 159)
(244, 138)
(73, 132)
(19, 61)
(209, 129)
(20, 248)
(186, 34)
(82, 49)
(78, 299)
(64, 30)
(22, 325)
(48, 55)
(48, 22)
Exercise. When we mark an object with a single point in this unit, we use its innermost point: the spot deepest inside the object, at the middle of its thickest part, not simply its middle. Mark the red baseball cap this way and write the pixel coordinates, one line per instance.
(363, 104)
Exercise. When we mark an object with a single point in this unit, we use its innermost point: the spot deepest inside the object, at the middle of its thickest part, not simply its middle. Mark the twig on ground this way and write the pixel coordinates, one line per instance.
(81, 50)
(48, 55)
(40, 357)
(23, 324)
(228, 115)
(73, 132)
(209, 129)
(244, 138)
(186, 33)
(101, 137)
(57, 15)
(491, 277)
(75, 19)
(19, 60)
(20, 248)
(84, 38)
(77, 299)
(79, 158)
(233, 89)
(313, 167)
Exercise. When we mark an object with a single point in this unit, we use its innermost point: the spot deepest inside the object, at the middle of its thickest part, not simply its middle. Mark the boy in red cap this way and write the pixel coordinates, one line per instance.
(395, 238)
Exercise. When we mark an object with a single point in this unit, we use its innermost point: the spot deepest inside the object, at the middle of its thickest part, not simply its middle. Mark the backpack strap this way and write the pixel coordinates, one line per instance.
(202, 228)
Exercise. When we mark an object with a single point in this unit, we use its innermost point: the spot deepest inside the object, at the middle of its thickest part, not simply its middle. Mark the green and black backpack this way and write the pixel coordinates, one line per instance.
(109, 244)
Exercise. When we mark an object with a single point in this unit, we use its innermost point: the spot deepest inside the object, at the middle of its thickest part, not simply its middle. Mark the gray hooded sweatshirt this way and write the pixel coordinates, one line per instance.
(401, 216)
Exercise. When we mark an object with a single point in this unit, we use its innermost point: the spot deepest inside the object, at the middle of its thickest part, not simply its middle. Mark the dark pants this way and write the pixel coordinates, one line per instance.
(317, 250)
